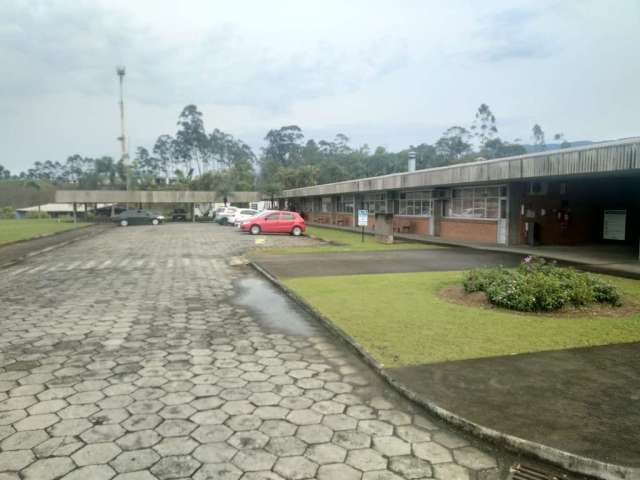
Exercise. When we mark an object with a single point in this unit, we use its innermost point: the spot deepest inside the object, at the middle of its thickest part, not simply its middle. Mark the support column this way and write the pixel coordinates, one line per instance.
(75, 213)
(515, 192)
(193, 212)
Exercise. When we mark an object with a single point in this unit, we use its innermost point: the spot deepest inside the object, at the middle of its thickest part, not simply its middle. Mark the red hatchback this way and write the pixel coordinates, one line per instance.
(274, 222)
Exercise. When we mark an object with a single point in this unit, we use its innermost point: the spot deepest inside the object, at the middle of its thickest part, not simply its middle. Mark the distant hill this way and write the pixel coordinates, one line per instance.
(555, 146)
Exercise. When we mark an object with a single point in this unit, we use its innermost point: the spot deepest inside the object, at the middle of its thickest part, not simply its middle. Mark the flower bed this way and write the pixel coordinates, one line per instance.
(537, 286)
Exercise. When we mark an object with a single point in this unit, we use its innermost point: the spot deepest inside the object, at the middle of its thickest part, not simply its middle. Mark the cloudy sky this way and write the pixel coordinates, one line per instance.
(390, 73)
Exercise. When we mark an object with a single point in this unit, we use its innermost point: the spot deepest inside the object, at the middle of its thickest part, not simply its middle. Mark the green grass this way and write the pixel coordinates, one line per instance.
(14, 230)
(400, 319)
(344, 241)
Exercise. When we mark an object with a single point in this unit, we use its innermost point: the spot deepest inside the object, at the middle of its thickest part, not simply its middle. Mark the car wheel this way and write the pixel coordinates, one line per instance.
(296, 232)
(123, 223)
(255, 229)
(155, 221)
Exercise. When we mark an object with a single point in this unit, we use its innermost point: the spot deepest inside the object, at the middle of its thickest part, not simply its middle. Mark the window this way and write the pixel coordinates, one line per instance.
(326, 204)
(345, 204)
(272, 217)
(477, 202)
(286, 216)
(415, 203)
(375, 202)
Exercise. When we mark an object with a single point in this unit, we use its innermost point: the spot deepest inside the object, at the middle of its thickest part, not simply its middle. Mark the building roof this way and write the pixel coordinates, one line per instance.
(152, 196)
(600, 158)
(58, 208)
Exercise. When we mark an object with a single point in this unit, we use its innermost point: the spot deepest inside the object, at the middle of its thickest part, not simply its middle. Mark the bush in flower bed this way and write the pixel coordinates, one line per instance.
(537, 286)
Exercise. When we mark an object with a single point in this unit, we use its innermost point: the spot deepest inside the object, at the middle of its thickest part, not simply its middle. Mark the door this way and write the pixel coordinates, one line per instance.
(287, 220)
(272, 223)
(503, 223)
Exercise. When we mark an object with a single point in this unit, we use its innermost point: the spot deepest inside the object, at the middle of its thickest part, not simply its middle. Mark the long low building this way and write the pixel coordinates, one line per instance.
(571, 196)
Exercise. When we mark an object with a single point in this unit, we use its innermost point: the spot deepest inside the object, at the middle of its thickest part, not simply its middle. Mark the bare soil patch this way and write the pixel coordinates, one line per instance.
(456, 294)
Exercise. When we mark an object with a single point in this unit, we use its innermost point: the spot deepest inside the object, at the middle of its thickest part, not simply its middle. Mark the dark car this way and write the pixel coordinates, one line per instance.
(138, 217)
(179, 215)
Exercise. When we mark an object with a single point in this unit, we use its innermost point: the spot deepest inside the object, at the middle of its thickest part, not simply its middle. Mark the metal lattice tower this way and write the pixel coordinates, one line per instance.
(123, 136)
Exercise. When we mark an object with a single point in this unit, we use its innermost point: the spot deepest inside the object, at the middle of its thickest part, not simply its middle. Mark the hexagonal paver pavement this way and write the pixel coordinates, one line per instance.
(127, 356)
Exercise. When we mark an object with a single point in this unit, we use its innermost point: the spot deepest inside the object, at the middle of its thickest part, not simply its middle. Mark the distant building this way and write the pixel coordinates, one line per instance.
(64, 209)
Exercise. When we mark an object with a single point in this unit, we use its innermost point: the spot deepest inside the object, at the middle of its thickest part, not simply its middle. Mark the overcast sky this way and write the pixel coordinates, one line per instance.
(389, 73)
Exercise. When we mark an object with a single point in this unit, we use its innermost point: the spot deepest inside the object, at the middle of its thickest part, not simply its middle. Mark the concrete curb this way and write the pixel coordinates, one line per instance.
(566, 460)
(17, 260)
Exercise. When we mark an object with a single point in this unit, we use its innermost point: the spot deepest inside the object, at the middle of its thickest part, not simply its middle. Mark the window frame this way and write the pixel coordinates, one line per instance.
(476, 200)
(415, 203)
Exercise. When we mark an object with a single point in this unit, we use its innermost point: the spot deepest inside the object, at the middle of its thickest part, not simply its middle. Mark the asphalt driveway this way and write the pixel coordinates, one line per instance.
(397, 261)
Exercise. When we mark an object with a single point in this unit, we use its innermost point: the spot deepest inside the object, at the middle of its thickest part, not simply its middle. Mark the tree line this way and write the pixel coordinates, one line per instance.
(194, 158)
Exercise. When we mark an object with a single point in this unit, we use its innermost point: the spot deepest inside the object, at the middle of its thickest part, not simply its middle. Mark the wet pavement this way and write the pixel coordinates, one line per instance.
(140, 354)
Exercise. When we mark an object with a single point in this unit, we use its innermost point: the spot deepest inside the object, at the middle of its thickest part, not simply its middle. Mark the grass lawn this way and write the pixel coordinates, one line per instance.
(13, 230)
(345, 242)
(400, 319)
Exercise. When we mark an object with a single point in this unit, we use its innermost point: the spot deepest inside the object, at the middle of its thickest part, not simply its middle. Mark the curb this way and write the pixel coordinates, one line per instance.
(50, 247)
(569, 461)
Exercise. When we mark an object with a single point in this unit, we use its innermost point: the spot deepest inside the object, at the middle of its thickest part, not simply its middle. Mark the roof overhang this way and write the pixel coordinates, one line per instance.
(151, 196)
(600, 159)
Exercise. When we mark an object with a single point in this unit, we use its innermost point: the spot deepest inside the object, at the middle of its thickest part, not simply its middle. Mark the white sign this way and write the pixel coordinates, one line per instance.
(363, 218)
(614, 225)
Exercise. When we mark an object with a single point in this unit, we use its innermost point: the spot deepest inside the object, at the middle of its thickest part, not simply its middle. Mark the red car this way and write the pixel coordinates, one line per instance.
(274, 222)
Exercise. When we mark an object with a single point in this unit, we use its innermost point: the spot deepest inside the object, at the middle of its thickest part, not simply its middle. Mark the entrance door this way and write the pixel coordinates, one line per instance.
(503, 223)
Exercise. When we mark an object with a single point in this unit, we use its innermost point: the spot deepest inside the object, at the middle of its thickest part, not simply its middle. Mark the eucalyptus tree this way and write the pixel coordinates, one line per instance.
(166, 151)
(192, 142)
(484, 127)
(537, 134)
(4, 173)
(454, 143)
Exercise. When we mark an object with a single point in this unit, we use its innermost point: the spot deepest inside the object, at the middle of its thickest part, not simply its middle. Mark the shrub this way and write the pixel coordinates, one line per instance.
(7, 212)
(537, 285)
(37, 215)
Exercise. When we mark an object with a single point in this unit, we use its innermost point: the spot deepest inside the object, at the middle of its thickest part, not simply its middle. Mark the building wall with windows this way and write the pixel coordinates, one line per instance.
(561, 196)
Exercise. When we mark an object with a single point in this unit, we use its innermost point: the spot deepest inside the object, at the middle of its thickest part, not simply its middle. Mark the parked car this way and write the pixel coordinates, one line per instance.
(179, 215)
(275, 222)
(242, 215)
(225, 217)
(138, 217)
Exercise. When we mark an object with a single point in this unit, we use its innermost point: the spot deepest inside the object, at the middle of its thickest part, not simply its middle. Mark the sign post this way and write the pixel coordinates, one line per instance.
(363, 220)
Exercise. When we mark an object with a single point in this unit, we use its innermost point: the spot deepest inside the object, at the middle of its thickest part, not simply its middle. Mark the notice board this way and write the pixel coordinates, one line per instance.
(614, 225)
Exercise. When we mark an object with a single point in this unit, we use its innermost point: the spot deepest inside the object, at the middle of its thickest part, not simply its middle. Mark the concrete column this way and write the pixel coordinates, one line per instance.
(355, 210)
(515, 197)
(193, 212)
(75, 213)
(436, 217)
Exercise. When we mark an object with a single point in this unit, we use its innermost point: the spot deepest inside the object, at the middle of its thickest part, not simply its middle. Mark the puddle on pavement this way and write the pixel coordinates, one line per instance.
(273, 308)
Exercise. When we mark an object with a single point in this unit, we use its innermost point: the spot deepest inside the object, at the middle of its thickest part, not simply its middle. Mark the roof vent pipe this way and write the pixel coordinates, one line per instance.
(412, 162)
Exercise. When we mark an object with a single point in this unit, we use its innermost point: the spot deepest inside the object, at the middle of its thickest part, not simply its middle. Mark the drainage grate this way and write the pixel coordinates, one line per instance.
(527, 472)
